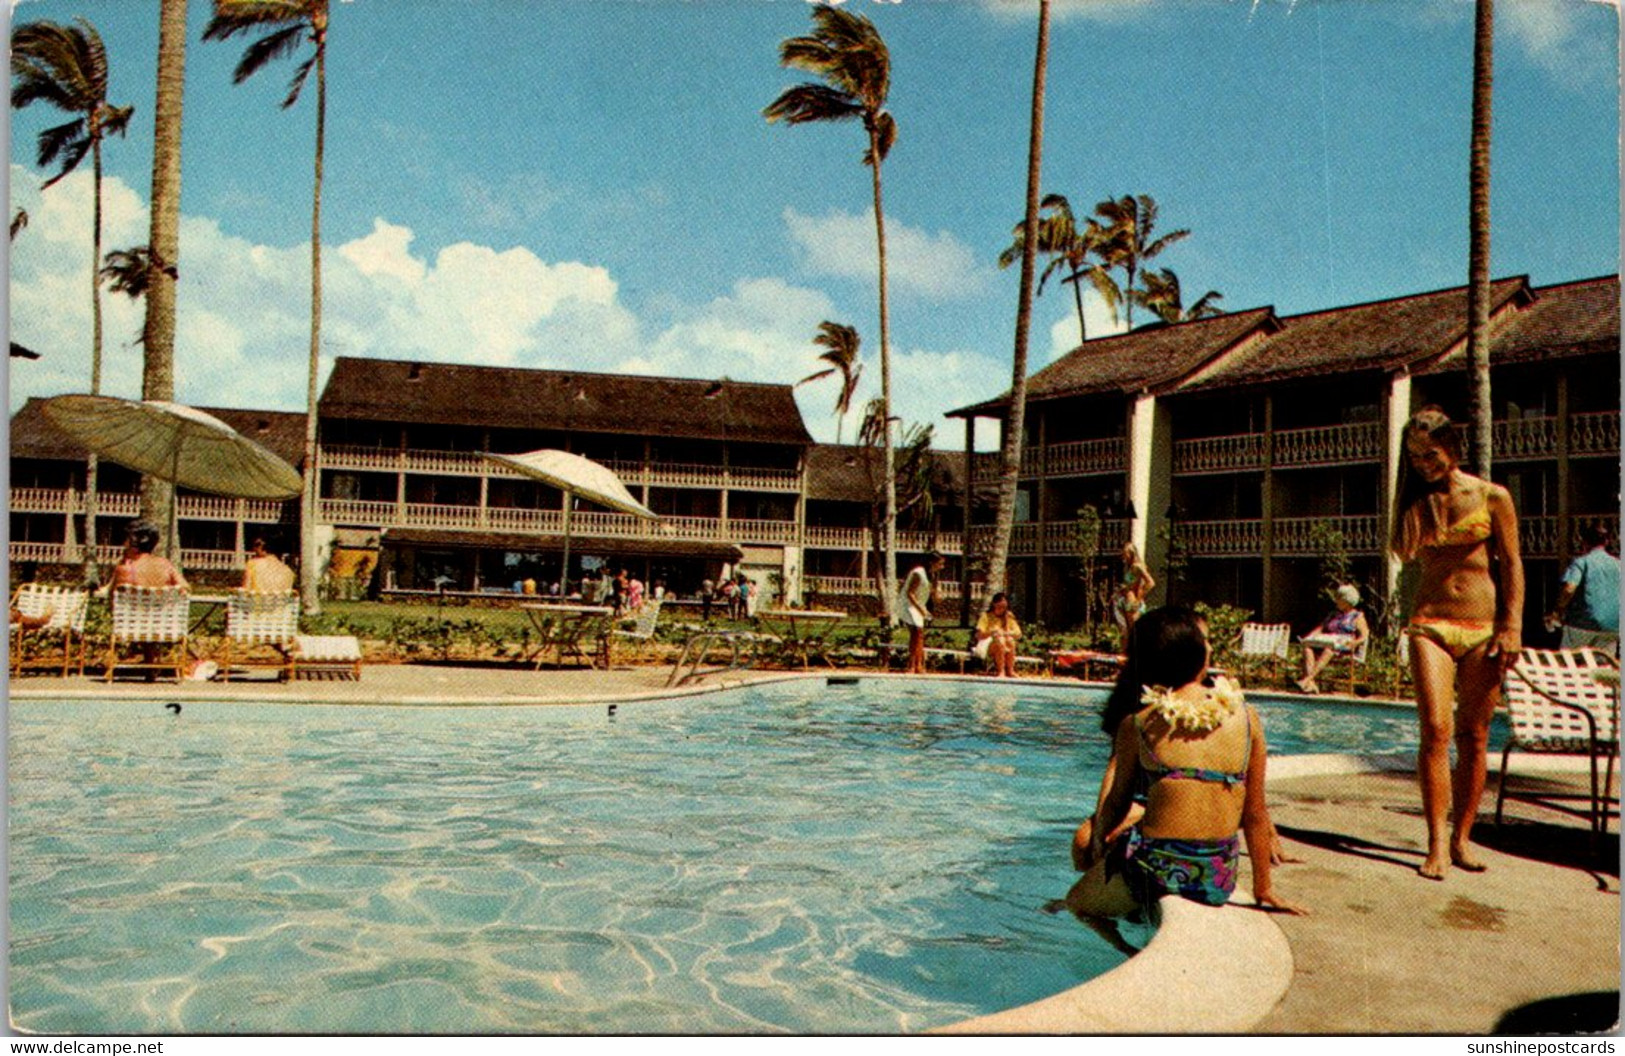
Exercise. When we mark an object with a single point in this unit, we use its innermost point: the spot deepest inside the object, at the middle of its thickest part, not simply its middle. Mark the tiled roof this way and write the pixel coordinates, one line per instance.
(1380, 335)
(509, 397)
(33, 436)
(1138, 360)
(837, 472)
(1571, 319)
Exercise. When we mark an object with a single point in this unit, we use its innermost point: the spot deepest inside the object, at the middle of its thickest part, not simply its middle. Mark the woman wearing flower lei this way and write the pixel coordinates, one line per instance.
(1195, 755)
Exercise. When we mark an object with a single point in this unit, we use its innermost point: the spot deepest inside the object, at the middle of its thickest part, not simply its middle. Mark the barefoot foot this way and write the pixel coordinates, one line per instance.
(1433, 868)
(1461, 859)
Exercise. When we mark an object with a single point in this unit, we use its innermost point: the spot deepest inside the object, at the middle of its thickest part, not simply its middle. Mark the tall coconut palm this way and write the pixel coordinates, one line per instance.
(290, 25)
(1068, 247)
(1478, 242)
(847, 52)
(1162, 297)
(1127, 243)
(1016, 418)
(66, 66)
(840, 343)
(163, 241)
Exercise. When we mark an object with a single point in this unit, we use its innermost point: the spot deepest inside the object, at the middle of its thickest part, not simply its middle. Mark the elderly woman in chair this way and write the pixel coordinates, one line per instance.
(1343, 633)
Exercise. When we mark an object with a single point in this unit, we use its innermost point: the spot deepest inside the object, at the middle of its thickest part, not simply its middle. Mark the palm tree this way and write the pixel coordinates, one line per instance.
(1016, 419)
(66, 66)
(163, 241)
(840, 343)
(1127, 243)
(292, 23)
(847, 51)
(1478, 241)
(1059, 237)
(1161, 297)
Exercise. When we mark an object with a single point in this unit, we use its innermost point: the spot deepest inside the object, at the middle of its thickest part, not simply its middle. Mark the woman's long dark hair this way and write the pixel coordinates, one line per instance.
(1167, 647)
(1433, 423)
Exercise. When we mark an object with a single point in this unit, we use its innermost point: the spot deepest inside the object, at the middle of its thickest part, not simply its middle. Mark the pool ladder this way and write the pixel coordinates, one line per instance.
(698, 649)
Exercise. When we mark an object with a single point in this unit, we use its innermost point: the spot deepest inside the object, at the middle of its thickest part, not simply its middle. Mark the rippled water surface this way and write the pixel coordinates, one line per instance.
(793, 858)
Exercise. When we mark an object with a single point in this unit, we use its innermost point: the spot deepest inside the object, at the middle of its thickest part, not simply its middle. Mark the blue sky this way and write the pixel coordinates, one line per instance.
(590, 185)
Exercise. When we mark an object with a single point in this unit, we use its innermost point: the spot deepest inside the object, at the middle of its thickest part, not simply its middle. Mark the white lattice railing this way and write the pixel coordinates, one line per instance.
(466, 463)
(359, 512)
(1219, 454)
(858, 587)
(128, 504)
(1328, 445)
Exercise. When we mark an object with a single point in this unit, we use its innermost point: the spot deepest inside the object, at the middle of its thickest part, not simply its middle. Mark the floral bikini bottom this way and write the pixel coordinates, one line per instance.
(1198, 870)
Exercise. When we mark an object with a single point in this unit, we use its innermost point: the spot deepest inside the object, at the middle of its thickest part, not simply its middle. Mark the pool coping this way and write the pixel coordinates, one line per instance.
(1176, 966)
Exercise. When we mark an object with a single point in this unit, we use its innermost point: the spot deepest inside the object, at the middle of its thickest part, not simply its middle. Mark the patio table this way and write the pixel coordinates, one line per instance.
(802, 632)
(562, 626)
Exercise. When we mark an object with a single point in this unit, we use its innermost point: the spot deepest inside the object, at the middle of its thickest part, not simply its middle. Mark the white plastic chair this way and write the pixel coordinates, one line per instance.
(63, 610)
(150, 617)
(262, 618)
(1564, 701)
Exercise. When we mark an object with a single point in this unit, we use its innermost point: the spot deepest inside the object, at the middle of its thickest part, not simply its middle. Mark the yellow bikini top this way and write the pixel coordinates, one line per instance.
(1472, 528)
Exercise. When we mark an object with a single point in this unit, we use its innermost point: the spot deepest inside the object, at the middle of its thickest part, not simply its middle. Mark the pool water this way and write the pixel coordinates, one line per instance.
(799, 857)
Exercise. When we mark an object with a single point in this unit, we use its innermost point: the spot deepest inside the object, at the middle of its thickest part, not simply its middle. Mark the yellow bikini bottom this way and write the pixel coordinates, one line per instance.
(1456, 637)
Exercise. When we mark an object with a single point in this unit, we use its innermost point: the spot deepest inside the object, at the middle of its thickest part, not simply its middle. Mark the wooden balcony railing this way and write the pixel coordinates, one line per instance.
(1221, 538)
(1076, 458)
(1329, 445)
(856, 587)
(1219, 454)
(465, 463)
(1594, 434)
(1295, 536)
(127, 504)
(1524, 438)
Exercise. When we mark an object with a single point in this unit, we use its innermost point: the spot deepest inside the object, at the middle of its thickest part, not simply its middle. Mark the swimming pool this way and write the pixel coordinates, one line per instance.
(795, 857)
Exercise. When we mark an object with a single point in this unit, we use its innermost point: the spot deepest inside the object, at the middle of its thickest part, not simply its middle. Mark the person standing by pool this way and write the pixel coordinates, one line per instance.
(996, 634)
(708, 590)
(1588, 605)
(915, 610)
(1197, 753)
(1129, 600)
(1465, 631)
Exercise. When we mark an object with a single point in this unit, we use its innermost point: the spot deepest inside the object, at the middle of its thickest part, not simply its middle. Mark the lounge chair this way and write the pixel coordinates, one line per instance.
(1564, 701)
(1268, 642)
(642, 630)
(338, 655)
(63, 610)
(262, 618)
(153, 619)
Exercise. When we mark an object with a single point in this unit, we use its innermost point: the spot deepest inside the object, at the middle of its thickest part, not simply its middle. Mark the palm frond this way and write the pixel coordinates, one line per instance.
(817, 375)
(116, 120)
(1163, 243)
(70, 158)
(1205, 306)
(19, 220)
(59, 141)
(127, 271)
(297, 84)
(812, 102)
(232, 17)
(278, 45)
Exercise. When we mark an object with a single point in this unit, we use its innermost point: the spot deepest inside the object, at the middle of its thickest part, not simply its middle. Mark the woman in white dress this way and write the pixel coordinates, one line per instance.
(915, 611)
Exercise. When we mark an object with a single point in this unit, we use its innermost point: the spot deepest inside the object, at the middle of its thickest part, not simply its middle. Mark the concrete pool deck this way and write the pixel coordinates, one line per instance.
(1530, 945)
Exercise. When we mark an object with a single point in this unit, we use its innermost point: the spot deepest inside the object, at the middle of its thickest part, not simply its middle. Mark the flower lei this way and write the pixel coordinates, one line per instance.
(1197, 713)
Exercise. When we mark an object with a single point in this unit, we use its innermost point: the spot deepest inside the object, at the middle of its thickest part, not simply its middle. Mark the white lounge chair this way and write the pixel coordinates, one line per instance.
(153, 619)
(1268, 642)
(642, 630)
(1564, 701)
(326, 654)
(63, 610)
(261, 618)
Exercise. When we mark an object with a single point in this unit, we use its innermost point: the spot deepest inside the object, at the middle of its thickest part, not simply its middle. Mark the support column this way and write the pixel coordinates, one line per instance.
(1146, 420)
(1159, 496)
(1046, 601)
(966, 542)
(1397, 408)
(1565, 508)
(1266, 527)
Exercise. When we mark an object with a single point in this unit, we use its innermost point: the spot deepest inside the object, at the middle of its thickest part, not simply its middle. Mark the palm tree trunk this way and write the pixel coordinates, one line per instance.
(1077, 296)
(95, 342)
(1016, 419)
(1478, 247)
(158, 333)
(888, 590)
(309, 574)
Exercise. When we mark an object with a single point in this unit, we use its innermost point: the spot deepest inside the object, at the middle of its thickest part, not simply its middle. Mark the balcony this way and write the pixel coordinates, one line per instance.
(469, 464)
(1594, 433)
(859, 539)
(1295, 536)
(1221, 538)
(1329, 445)
(1220, 454)
(856, 587)
(1077, 458)
(125, 504)
(1059, 538)
(551, 522)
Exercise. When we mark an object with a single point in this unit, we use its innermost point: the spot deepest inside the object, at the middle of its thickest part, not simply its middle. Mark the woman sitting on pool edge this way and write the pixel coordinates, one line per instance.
(1198, 754)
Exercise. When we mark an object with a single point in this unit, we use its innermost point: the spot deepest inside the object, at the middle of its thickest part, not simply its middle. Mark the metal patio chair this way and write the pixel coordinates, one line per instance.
(63, 610)
(153, 619)
(261, 618)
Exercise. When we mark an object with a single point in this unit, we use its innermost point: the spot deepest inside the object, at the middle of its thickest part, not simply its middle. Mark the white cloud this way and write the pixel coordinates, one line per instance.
(937, 267)
(1061, 10)
(761, 331)
(1097, 318)
(1551, 34)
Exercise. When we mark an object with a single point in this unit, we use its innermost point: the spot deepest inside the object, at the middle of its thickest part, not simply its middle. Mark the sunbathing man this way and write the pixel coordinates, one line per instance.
(140, 566)
(265, 571)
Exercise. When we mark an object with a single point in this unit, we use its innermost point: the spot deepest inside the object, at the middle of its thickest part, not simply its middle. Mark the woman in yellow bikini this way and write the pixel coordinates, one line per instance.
(1465, 633)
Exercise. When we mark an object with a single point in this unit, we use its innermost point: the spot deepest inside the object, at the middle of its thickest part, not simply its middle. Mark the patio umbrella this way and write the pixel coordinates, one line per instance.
(176, 443)
(576, 477)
